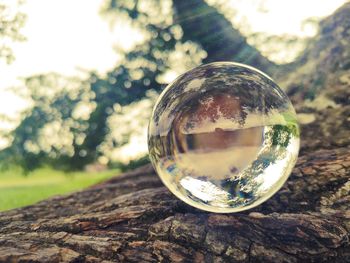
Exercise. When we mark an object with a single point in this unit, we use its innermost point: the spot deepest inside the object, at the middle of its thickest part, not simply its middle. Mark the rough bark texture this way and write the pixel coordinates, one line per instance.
(134, 218)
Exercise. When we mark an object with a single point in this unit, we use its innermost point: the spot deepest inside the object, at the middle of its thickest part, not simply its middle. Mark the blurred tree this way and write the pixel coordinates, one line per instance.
(206, 26)
(11, 21)
(178, 36)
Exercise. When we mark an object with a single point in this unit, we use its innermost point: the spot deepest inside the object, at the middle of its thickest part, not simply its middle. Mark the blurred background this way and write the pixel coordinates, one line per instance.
(78, 79)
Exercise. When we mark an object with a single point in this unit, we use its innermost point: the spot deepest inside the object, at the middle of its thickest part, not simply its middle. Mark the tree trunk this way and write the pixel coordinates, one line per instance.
(134, 218)
(204, 25)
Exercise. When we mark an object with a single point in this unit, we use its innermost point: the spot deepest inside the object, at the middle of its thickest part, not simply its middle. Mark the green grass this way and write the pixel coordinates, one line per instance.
(17, 190)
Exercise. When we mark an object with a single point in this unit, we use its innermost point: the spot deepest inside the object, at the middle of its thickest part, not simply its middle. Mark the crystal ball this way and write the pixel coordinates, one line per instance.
(223, 137)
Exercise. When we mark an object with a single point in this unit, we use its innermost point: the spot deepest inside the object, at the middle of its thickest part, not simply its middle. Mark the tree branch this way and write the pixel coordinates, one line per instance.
(204, 25)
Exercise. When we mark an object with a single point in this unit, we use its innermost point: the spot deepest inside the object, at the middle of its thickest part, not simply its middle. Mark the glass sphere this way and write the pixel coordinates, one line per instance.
(223, 137)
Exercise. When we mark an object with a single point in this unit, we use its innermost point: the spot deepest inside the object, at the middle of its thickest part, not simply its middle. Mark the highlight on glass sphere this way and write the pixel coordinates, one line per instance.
(223, 137)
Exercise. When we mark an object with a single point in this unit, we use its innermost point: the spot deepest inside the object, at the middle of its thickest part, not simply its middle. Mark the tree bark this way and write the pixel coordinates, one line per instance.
(134, 218)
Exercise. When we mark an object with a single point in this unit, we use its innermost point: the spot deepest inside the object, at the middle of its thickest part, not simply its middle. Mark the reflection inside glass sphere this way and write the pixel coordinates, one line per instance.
(223, 137)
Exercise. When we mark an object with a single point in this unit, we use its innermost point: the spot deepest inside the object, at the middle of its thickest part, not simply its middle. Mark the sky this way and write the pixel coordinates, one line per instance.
(282, 16)
(62, 36)
(65, 36)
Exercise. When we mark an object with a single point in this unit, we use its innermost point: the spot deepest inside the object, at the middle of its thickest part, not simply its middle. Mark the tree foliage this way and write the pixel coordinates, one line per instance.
(67, 124)
(11, 21)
